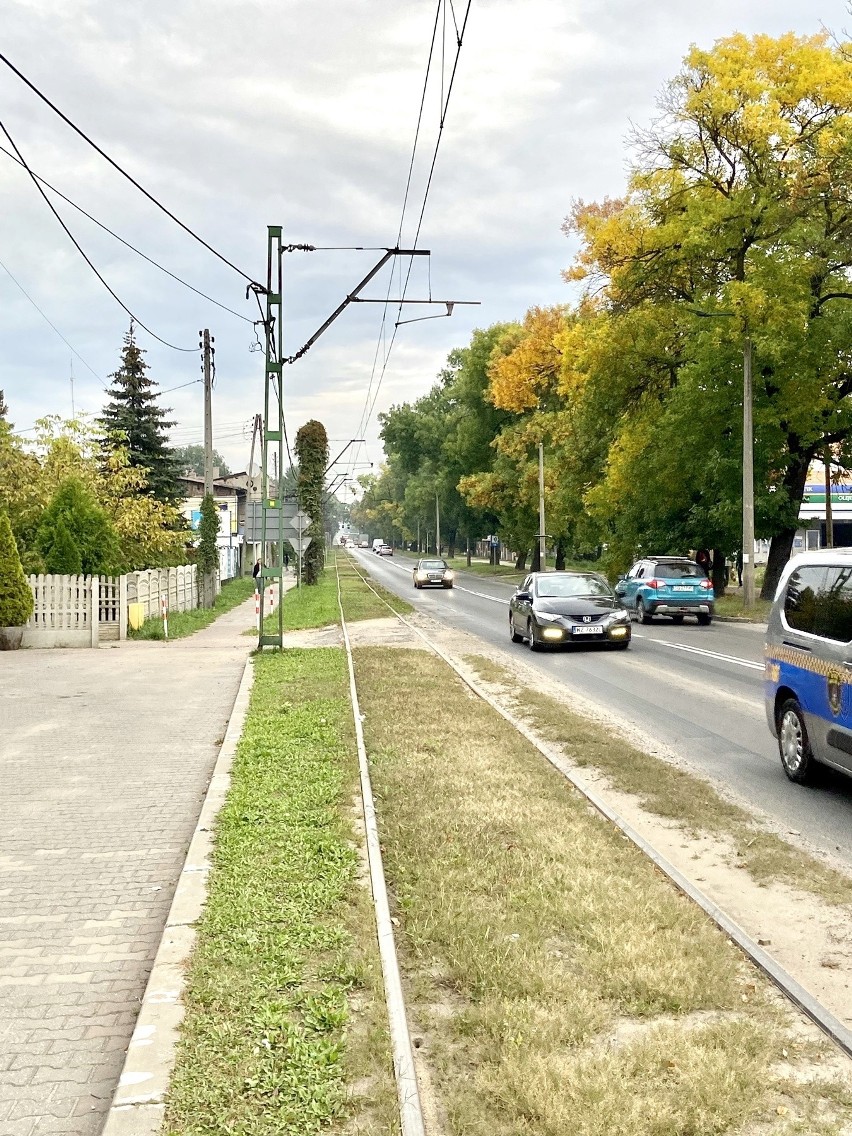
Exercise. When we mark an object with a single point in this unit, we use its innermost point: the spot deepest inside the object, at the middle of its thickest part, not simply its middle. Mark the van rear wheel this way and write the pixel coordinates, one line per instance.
(793, 743)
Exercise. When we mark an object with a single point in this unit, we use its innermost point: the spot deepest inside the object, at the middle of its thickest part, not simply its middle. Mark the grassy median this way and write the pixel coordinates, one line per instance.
(667, 791)
(561, 985)
(285, 1024)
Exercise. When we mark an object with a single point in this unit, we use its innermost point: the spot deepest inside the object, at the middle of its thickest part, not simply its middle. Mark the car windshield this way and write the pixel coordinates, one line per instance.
(432, 565)
(685, 568)
(564, 587)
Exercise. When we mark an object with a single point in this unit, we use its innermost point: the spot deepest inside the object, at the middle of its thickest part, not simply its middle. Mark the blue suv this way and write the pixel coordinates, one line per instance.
(667, 585)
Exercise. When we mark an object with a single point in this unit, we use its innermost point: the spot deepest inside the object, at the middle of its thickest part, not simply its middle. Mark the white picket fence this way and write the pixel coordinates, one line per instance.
(80, 611)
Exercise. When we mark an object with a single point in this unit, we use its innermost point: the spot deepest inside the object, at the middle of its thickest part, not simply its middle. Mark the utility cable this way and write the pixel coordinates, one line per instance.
(117, 167)
(79, 249)
(20, 286)
(127, 244)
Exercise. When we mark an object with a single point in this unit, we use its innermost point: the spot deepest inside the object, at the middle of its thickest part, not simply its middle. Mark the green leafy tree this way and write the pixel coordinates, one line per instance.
(74, 512)
(192, 458)
(16, 599)
(208, 553)
(311, 450)
(63, 556)
(133, 420)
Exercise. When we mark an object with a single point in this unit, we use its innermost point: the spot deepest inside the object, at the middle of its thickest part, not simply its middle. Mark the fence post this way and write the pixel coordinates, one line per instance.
(122, 607)
(94, 608)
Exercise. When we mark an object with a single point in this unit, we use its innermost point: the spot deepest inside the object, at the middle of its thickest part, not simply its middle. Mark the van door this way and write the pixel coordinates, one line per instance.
(834, 626)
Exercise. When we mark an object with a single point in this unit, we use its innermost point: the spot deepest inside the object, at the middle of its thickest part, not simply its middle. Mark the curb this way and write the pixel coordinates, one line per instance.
(138, 1106)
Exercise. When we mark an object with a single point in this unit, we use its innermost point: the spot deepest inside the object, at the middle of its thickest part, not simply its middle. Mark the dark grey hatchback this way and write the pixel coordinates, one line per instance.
(567, 607)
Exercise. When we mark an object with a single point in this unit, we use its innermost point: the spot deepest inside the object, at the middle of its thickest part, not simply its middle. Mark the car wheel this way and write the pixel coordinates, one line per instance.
(534, 644)
(677, 619)
(448, 585)
(642, 615)
(704, 620)
(513, 635)
(793, 743)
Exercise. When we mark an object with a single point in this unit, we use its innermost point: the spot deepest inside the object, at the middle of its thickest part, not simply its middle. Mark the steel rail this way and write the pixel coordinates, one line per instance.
(831, 1026)
(405, 1074)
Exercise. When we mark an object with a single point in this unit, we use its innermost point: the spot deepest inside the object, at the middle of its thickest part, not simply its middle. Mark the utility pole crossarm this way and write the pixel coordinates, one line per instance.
(352, 296)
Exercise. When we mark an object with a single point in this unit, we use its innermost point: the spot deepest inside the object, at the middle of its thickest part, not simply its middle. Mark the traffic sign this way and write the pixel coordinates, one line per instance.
(300, 544)
(301, 520)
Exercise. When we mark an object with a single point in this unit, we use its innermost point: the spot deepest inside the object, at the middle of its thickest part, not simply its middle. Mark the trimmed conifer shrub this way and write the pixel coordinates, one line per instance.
(16, 599)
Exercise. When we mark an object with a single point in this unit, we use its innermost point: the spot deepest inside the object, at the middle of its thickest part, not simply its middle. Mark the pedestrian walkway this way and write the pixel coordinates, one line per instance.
(105, 757)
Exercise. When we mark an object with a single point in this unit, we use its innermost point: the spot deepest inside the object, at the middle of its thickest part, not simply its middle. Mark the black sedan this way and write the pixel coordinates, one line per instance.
(567, 607)
(435, 573)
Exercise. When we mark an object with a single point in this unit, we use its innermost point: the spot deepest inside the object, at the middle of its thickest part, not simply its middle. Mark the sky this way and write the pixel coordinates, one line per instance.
(237, 115)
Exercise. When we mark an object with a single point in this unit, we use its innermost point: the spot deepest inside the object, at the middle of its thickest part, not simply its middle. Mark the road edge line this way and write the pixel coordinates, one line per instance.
(138, 1105)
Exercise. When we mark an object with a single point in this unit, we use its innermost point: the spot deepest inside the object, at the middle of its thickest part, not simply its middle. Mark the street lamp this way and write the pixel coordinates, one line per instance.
(748, 460)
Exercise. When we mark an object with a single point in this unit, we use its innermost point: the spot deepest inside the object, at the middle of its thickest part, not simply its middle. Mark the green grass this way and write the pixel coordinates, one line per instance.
(561, 985)
(183, 623)
(732, 606)
(316, 606)
(483, 568)
(284, 1029)
(666, 791)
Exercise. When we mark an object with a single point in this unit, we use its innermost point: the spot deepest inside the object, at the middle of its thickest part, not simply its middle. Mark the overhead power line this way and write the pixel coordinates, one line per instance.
(121, 170)
(127, 244)
(20, 286)
(79, 249)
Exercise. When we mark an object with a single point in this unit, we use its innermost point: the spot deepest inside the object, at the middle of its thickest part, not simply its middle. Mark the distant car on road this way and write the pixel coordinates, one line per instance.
(567, 607)
(433, 573)
(385, 550)
(667, 585)
(808, 685)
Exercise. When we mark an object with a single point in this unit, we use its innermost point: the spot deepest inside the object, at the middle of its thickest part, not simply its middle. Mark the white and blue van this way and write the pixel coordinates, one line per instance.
(808, 659)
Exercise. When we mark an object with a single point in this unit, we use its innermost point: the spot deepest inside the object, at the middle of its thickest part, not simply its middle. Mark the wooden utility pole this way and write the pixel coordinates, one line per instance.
(542, 540)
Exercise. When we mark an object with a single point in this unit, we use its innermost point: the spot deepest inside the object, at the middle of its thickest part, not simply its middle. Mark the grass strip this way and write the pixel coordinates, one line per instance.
(667, 791)
(731, 606)
(316, 606)
(284, 1029)
(183, 623)
(560, 984)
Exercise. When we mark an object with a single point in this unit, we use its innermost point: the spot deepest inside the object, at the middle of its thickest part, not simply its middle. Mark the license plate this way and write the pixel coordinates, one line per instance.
(587, 631)
(434, 579)
(682, 588)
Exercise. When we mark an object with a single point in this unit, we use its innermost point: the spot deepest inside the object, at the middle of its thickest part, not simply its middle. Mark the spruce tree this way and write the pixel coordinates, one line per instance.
(133, 417)
(63, 556)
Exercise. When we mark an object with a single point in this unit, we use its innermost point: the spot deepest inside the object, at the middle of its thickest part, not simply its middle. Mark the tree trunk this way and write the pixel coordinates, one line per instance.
(782, 542)
(560, 555)
(521, 562)
(718, 573)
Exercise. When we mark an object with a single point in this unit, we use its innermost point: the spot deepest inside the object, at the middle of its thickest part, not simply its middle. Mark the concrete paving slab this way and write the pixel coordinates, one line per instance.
(105, 758)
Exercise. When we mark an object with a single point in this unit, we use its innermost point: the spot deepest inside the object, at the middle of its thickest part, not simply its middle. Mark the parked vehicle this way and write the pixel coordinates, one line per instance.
(433, 573)
(567, 607)
(667, 585)
(808, 678)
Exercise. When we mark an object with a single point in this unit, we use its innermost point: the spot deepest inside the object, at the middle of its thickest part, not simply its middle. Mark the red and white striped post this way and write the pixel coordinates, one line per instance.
(165, 606)
(271, 597)
(257, 608)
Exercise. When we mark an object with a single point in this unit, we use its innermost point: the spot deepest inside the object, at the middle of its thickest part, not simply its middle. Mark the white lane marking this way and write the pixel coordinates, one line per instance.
(702, 651)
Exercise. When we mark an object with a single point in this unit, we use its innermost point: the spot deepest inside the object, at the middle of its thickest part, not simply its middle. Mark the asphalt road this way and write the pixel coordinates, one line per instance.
(696, 690)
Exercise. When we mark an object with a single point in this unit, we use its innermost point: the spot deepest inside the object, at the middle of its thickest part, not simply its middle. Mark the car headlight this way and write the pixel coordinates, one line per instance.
(547, 617)
(420, 576)
(619, 616)
(448, 575)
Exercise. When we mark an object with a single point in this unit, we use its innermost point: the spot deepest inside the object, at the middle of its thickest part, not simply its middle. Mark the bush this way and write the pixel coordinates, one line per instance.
(63, 557)
(16, 599)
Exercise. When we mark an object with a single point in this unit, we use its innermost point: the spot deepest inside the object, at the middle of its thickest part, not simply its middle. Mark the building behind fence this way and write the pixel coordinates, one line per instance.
(80, 611)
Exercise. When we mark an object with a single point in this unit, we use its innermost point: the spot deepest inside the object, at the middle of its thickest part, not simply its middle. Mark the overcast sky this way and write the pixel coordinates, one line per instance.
(237, 115)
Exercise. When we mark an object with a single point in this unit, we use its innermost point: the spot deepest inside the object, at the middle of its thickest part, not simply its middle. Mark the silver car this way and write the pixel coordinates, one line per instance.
(808, 676)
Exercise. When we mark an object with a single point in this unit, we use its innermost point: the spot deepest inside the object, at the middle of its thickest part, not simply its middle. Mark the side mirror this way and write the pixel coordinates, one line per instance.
(524, 597)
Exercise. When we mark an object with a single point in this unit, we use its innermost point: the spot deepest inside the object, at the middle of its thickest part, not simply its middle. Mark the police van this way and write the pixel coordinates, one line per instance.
(808, 660)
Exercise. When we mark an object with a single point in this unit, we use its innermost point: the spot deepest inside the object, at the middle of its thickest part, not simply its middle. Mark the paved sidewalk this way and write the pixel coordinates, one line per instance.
(104, 760)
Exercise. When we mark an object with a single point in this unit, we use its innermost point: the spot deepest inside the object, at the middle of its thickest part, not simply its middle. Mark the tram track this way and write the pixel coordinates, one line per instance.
(790, 988)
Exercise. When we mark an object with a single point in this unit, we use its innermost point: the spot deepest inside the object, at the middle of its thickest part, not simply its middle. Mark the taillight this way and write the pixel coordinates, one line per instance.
(707, 584)
(655, 584)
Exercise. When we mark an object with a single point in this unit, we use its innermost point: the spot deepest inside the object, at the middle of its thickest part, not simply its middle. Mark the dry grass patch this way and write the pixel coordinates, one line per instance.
(531, 932)
(667, 791)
